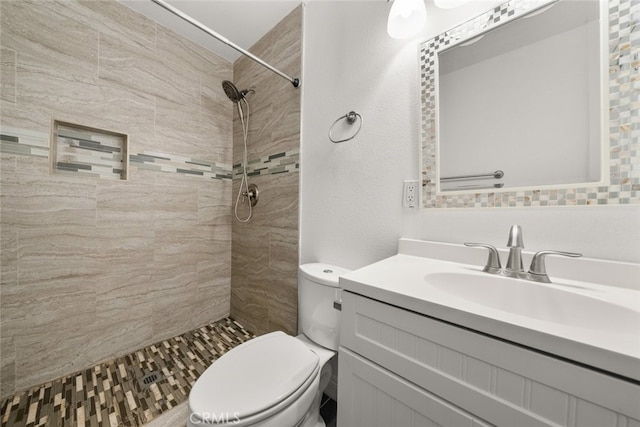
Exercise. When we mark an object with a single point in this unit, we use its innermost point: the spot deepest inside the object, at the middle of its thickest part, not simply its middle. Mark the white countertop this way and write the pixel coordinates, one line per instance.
(400, 281)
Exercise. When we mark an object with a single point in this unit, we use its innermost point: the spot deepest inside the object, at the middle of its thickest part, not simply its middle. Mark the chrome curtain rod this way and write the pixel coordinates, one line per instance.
(294, 81)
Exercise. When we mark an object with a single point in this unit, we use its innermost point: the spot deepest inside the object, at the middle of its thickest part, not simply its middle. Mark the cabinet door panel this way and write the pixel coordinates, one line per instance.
(370, 396)
(500, 382)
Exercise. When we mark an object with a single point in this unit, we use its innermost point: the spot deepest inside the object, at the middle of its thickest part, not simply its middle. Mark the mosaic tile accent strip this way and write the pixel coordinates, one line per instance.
(113, 394)
(24, 142)
(624, 106)
(288, 161)
(161, 162)
(89, 151)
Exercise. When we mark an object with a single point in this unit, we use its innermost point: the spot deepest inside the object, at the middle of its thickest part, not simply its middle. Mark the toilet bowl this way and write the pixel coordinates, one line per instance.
(276, 379)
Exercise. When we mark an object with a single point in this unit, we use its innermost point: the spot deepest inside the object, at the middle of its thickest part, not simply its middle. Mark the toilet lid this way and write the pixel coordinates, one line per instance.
(253, 377)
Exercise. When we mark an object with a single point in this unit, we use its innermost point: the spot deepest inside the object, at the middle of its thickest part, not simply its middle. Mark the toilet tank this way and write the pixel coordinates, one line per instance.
(318, 289)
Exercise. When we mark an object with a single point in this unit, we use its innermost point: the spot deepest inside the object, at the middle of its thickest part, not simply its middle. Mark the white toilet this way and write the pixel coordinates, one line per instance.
(276, 379)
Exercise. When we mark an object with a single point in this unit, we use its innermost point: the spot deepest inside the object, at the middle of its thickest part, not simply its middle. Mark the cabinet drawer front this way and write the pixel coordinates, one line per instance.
(370, 396)
(500, 382)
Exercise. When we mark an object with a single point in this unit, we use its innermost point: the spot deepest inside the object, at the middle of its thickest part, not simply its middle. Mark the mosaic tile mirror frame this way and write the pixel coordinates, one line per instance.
(624, 117)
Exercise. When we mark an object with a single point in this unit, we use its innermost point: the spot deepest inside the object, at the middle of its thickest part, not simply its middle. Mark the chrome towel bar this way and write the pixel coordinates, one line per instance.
(496, 175)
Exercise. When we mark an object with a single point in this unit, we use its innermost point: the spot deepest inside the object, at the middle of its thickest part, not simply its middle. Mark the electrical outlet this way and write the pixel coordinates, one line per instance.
(410, 194)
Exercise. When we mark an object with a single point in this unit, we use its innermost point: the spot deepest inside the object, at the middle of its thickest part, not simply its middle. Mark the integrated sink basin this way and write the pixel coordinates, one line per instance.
(590, 314)
(565, 304)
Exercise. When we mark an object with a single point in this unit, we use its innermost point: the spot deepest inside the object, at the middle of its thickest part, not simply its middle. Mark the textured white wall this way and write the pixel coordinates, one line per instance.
(351, 212)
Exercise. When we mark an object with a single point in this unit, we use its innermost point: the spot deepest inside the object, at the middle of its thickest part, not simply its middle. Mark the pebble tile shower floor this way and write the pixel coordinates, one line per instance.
(114, 393)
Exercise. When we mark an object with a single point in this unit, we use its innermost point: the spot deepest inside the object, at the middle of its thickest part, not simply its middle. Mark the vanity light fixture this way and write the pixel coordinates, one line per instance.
(406, 18)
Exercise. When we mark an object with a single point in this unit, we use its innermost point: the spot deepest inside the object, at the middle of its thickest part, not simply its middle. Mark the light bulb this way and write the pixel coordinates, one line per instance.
(406, 18)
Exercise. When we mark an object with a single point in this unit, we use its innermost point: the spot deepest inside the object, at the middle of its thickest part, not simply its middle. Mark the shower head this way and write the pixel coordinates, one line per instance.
(232, 91)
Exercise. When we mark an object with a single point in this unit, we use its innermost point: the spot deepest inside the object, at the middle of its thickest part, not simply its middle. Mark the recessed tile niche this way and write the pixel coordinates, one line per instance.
(87, 151)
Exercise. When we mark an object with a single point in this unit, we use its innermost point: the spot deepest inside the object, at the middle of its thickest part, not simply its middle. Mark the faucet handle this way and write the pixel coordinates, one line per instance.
(538, 269)
(493, 262)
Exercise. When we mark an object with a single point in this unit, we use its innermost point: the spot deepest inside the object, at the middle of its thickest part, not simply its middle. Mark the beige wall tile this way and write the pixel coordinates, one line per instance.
(128, 326)
(265, 250)
(7, 75)
(286, 135)
(41, 357)
(34, 201)
(249, 306)
(8, 280)
(250, 249)
(250, 74)
(278, 206)
(65, 43)
(33, 166)
(215, 132)
(286, 42)
(115, 19)
(213, 300)
(177, 125)
(13, 115)
(261, 128)
(216, 102)
(138, 68)
(125, 203)
(7, 364)
(55, 93)
(186, 243)
(149, 257)
(93, 269)
(129, 65)
(283, 254)
(174, 203)
(61, 253)
(216, 272)
(249, 267)
(8, 256)
(36, 311)
(7, 163)
(173, 295)
(283, 308)
(214, 203)
(123, 309)
(184, 56)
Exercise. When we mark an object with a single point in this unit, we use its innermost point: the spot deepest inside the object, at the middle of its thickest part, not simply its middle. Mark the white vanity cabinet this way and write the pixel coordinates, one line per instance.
(398, 368)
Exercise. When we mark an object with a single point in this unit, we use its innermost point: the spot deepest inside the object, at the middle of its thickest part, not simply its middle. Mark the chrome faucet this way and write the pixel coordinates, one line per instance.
(515, 245)
(537, 271)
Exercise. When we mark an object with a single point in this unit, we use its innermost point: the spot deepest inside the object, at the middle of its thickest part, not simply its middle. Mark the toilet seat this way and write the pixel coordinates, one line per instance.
(236, 388)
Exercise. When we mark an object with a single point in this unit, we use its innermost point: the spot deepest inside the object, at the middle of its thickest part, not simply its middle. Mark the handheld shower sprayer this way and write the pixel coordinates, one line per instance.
(247, 193)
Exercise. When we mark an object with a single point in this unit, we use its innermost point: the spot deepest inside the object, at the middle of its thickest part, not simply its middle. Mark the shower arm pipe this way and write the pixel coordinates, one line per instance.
(294, 81)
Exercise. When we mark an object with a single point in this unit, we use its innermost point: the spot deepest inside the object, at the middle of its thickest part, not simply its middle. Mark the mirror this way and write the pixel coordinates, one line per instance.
(544, 132)
(515, 108)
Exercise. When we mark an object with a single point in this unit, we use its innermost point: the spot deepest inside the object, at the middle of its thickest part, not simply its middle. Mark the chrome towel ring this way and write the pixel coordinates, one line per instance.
(351, 117)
